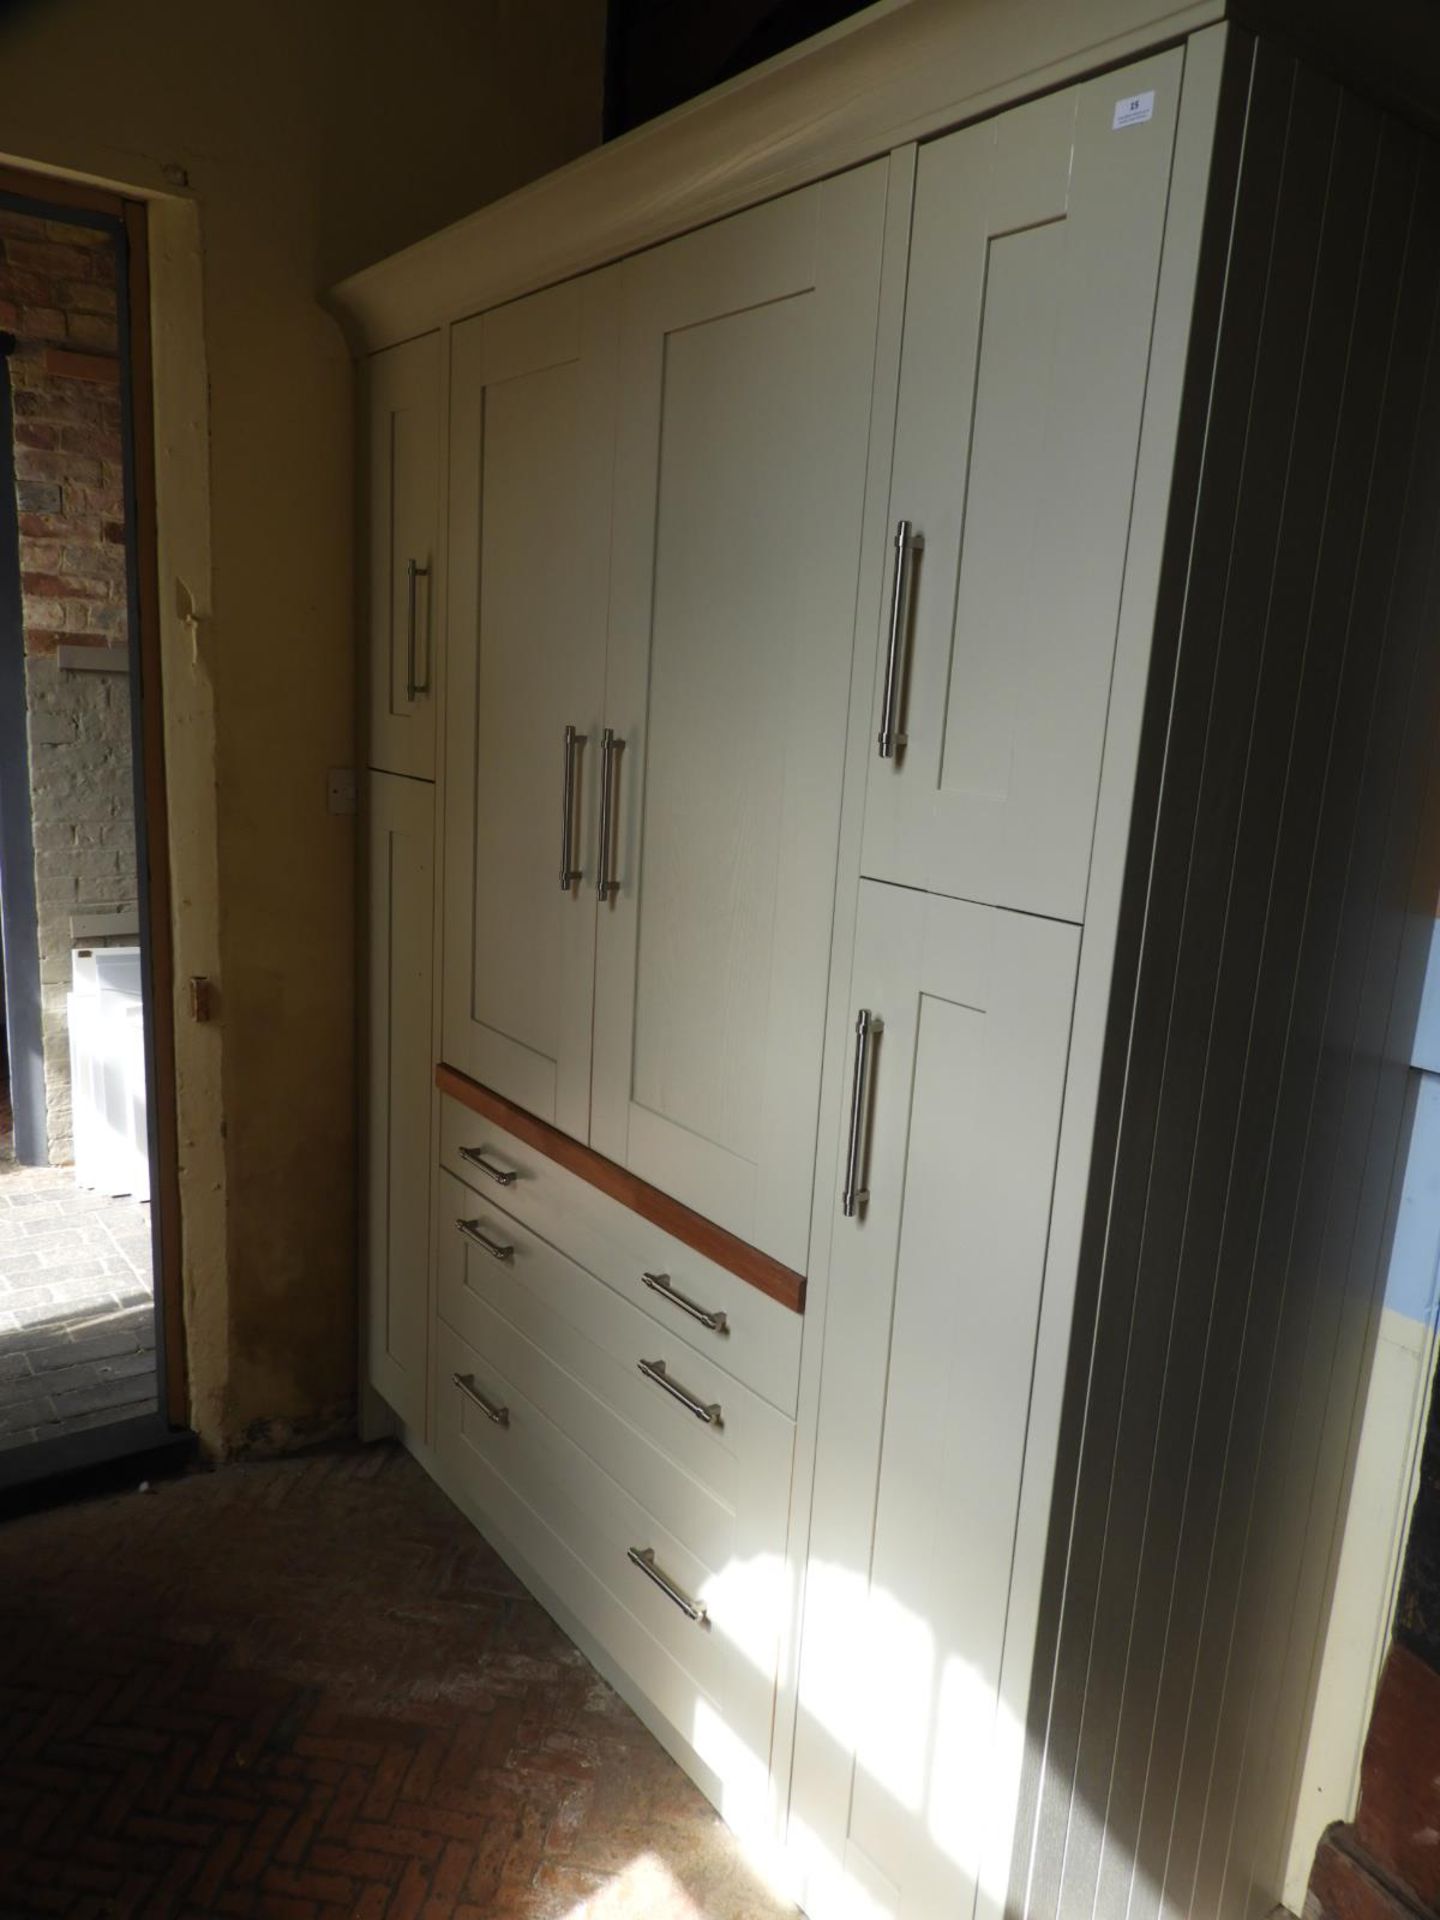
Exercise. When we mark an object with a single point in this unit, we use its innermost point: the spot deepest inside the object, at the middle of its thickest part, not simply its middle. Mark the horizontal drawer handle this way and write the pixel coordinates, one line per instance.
(644, 1558)
(497, 1249)
(660, 1283)
(502, 1176)
(655, 1370)
(466, 1384)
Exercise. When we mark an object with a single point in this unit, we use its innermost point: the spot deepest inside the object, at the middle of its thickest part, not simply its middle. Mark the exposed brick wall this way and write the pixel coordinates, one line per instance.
(59, 293)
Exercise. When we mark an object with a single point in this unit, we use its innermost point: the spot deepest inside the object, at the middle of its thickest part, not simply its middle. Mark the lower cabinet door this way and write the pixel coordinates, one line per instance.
(400, 831)
(961, 1021)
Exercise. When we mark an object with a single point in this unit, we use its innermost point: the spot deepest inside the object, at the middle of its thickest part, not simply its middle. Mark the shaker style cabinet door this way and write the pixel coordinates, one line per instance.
(403, 478)
(960, 1031)
(1033, 271)
(400, 900)
(531, 451)
(747, 363)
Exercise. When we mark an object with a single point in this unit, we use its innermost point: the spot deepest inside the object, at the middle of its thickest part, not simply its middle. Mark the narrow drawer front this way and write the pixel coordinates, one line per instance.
(759, 1342)
(648, 1406)
(712, 1677)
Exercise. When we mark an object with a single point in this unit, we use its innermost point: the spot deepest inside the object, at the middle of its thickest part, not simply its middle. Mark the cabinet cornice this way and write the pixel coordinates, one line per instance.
(896, 73)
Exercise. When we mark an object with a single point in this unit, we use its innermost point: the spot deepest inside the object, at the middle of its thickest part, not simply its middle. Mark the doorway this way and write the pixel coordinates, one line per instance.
(87, 1213)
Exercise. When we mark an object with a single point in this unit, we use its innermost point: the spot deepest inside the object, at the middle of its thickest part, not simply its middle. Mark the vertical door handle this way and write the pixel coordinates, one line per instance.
(610, 749)
(414, 572)
(907, 544)
(853, 1195)
(569, 873)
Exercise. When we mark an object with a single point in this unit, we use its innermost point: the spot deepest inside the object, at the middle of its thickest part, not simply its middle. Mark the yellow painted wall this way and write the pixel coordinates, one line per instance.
(310, 137)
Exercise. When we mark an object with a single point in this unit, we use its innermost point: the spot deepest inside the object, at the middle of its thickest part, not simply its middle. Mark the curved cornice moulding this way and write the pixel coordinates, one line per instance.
(901, 71)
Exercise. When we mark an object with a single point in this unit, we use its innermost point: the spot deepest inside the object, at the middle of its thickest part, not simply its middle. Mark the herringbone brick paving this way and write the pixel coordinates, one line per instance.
(77, 1324)
(308, 1690)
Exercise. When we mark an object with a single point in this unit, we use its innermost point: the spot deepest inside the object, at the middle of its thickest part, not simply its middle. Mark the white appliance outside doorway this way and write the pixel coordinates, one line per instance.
(106, 1015)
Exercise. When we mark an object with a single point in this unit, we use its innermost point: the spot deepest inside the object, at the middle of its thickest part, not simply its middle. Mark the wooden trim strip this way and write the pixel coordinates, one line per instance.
(61, 190)
(156, 892)
(747, 1263)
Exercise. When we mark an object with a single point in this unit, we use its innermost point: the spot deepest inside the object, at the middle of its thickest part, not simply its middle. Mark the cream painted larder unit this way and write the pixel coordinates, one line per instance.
(403, 403)
(937, 692)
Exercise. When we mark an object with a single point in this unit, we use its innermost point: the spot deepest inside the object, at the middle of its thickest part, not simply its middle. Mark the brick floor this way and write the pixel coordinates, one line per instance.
(306, 1690)
(77, 1330)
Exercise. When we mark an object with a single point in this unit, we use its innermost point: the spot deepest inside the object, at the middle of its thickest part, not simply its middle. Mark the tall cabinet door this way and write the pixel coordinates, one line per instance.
(531, 451)
(400, 900)
(935, 1285)
(745, 390)
(403, 478)
(1034, 263)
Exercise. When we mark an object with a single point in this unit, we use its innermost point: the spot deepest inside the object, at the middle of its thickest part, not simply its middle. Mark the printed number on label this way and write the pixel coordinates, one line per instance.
(1134, 110)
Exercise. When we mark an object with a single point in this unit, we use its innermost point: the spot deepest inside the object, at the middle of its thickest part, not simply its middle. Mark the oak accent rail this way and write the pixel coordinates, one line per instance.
(737, 1256)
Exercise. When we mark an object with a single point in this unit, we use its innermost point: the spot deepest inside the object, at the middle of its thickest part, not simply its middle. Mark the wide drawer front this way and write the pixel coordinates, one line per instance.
(688, 1440)
(756, 1339)
(701, 1643)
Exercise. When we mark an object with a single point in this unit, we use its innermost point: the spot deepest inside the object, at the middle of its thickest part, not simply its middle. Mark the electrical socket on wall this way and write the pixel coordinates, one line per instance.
(340, 792)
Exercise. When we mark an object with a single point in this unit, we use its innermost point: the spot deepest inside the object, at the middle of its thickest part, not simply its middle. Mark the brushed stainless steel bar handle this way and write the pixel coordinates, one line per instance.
(497, 1249)
(414, 572)
(644, 1558)
(853, 1195)
(907, 544)
(656, 1370)
(660, 1283)
(569, 872)
(502, 1176)
(466, 1384)
(610, 747)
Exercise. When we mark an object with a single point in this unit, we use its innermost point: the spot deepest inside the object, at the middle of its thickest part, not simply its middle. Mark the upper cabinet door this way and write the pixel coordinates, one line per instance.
(747, 364)
(403, 407)
(531, 450)
(1032, 285)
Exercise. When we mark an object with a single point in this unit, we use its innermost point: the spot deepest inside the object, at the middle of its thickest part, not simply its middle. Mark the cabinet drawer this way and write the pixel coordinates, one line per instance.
(759, 1340)
(712, 1678)
(576, 1350)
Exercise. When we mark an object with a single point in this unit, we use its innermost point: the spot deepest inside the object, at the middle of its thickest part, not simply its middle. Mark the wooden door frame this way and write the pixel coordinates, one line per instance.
(131, 222)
